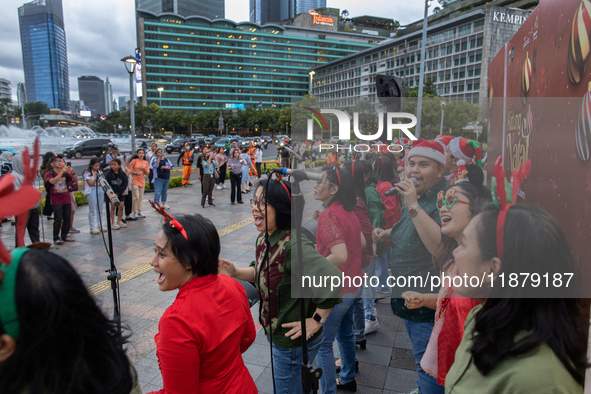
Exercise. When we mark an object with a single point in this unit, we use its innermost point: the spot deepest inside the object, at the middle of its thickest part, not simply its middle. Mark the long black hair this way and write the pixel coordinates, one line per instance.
(201, 250)
(357, 172)
(136, 154)
(478, 196)
(275, 195)
(383, 168)
(66, 344)
(371, 175)
(533, 242)
(346, 194)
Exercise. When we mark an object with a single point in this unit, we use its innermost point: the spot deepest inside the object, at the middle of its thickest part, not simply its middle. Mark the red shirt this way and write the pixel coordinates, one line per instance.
(362, 214)
(337, 226)
(201, 337)
(392, 203)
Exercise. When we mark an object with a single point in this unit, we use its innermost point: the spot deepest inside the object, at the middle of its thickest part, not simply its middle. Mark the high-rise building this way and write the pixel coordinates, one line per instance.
(5, 91)
(264, 11)
(108, 97)
(45, 57)
(212, 9)
(122, 102)
(91, 90)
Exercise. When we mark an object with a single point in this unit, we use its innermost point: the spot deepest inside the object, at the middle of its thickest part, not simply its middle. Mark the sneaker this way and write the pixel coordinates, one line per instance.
(219, 187)
(133, 216)
(124, 221)
(166, 206)
(115, 226)
(415, 391)
(140, 215)
(74, 230)
(105, 228)
(121, 224)
(371, 326)
(95, 230)
(384, 292)
(224, 187)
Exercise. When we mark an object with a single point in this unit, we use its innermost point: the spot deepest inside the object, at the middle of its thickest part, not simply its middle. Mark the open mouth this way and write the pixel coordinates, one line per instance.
(445, 220)
(258, 220)
(161, 277)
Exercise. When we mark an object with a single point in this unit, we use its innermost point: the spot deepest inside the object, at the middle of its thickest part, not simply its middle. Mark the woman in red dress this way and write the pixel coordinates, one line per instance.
(203, 333)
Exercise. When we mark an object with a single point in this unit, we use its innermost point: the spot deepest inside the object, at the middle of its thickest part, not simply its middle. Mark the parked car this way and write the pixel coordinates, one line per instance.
(178, 144)
(245, 142)
(212, 136)
(92, 147)
(281, 138)
(221, 142)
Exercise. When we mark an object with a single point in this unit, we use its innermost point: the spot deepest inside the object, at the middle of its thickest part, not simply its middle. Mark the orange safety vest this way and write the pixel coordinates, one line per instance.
(186, 158)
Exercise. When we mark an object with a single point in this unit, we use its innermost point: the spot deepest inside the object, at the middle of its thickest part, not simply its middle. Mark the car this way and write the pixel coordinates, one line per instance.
(212, 136)
(268, 139)
(281, 138)
(245, 143)
(198, 136)
(91, 147)
(178, 144)
(221, 142)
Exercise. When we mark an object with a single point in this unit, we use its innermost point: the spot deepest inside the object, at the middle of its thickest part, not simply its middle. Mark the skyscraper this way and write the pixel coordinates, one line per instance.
(91, 90)
(263, 11)
(108, 97)
(122, 102)
(45, 57)
(5, 91)
(212, 9)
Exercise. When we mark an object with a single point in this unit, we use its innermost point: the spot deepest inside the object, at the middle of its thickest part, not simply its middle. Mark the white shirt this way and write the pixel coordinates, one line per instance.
(258, 156)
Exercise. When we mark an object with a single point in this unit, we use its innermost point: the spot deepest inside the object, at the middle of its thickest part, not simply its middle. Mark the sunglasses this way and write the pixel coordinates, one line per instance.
(449, 201)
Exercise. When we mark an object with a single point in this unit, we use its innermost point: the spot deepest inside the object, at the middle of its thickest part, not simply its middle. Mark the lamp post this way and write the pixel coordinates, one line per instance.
(311, 79)
(443, 104)
(422, 73)
(160, 90)
(130, 63)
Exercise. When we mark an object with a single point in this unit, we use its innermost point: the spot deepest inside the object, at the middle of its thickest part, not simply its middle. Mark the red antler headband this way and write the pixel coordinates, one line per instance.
(353, 168)
(169, 219)
(285, 187)
(504, 195)
(338, 175)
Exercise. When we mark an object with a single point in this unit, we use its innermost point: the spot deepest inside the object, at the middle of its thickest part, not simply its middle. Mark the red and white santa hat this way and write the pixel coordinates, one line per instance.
(444, 139)
(467, 150)
(429, 149)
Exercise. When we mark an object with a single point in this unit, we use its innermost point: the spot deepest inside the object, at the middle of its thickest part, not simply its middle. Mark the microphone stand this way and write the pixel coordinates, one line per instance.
(113, 275)
(310, 374)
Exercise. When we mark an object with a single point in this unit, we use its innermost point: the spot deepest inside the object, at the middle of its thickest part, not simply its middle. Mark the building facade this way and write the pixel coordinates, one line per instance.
(5, 90)
(91, 90)
(122, 102)
(21, 94)
(108, 97)
(45, 57)
(265, 11)
(212, 9)
(204, 64)
(458, 51)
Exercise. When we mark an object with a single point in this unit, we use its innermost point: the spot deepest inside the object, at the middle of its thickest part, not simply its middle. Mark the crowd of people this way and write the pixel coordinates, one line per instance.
(420, 212)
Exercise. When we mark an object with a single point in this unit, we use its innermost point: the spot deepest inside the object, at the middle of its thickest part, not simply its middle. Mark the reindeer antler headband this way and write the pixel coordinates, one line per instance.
(169, 219)
(504, 195)
(15, 203)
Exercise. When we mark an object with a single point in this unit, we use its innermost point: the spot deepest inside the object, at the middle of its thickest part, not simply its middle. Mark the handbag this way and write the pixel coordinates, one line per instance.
(72, 186)
(216, 174)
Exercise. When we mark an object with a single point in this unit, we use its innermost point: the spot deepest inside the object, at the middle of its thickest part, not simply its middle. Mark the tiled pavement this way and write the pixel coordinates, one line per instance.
(386, 366)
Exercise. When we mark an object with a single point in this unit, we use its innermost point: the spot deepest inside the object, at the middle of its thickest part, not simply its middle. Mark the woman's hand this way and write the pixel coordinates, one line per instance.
(316, 214)
(226, 267)
(413, 300)
(312, 327)
(380, 235)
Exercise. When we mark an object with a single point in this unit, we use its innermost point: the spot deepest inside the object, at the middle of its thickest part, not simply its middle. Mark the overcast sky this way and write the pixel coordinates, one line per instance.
(100, 32)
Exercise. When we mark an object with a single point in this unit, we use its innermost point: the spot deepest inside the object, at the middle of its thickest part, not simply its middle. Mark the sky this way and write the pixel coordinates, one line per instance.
(101, 32)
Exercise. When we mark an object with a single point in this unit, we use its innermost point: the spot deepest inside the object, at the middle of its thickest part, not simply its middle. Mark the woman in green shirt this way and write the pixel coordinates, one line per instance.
(274, 277)
(522, 338)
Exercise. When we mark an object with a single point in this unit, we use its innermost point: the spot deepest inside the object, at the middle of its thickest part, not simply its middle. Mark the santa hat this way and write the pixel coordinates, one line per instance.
(465, 149)
(429, 149)
(444, 139)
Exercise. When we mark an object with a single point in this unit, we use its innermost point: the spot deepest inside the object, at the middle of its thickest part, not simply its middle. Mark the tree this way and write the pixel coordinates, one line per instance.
(345, 14)
(428, 89)
(36, 108)
(5, 110)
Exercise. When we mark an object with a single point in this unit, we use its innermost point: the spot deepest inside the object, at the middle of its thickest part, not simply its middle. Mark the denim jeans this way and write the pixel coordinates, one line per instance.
(382, 269)
(95, 207)
(359, 320)
(370, 293)
(287, 364)
(339, 325)
(419, 333)
(160, 190)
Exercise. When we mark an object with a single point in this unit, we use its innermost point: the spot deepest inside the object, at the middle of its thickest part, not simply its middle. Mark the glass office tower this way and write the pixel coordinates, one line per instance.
(211, 9)
(45, 57)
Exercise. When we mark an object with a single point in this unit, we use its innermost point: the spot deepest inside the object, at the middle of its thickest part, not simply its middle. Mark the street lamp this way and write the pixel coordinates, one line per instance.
(130, 63)
(160, 90)
(443, 104)
(311, 78)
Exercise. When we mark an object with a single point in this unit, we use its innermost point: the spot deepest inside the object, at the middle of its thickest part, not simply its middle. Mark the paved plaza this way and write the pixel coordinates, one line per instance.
(386, 366)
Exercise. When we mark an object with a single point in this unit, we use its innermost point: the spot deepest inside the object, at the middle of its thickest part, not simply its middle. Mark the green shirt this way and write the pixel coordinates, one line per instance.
(375, 206)
(410, 257)
(539, 371)
(283, 304)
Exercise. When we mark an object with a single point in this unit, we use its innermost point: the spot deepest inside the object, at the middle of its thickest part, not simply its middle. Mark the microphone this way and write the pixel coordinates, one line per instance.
(394, 191)
(299, 175)
(107, 189)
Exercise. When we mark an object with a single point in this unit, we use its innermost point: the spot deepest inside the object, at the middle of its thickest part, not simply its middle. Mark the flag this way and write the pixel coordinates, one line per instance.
(260, 104)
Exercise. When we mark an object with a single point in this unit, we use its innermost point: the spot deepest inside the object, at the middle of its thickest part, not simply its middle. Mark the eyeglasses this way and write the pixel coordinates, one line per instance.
(320, 183)
(258, 204)
(449, 201)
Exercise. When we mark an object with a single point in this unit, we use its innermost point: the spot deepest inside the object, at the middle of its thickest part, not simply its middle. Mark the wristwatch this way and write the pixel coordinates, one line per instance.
(318, 318)
(412, 212)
